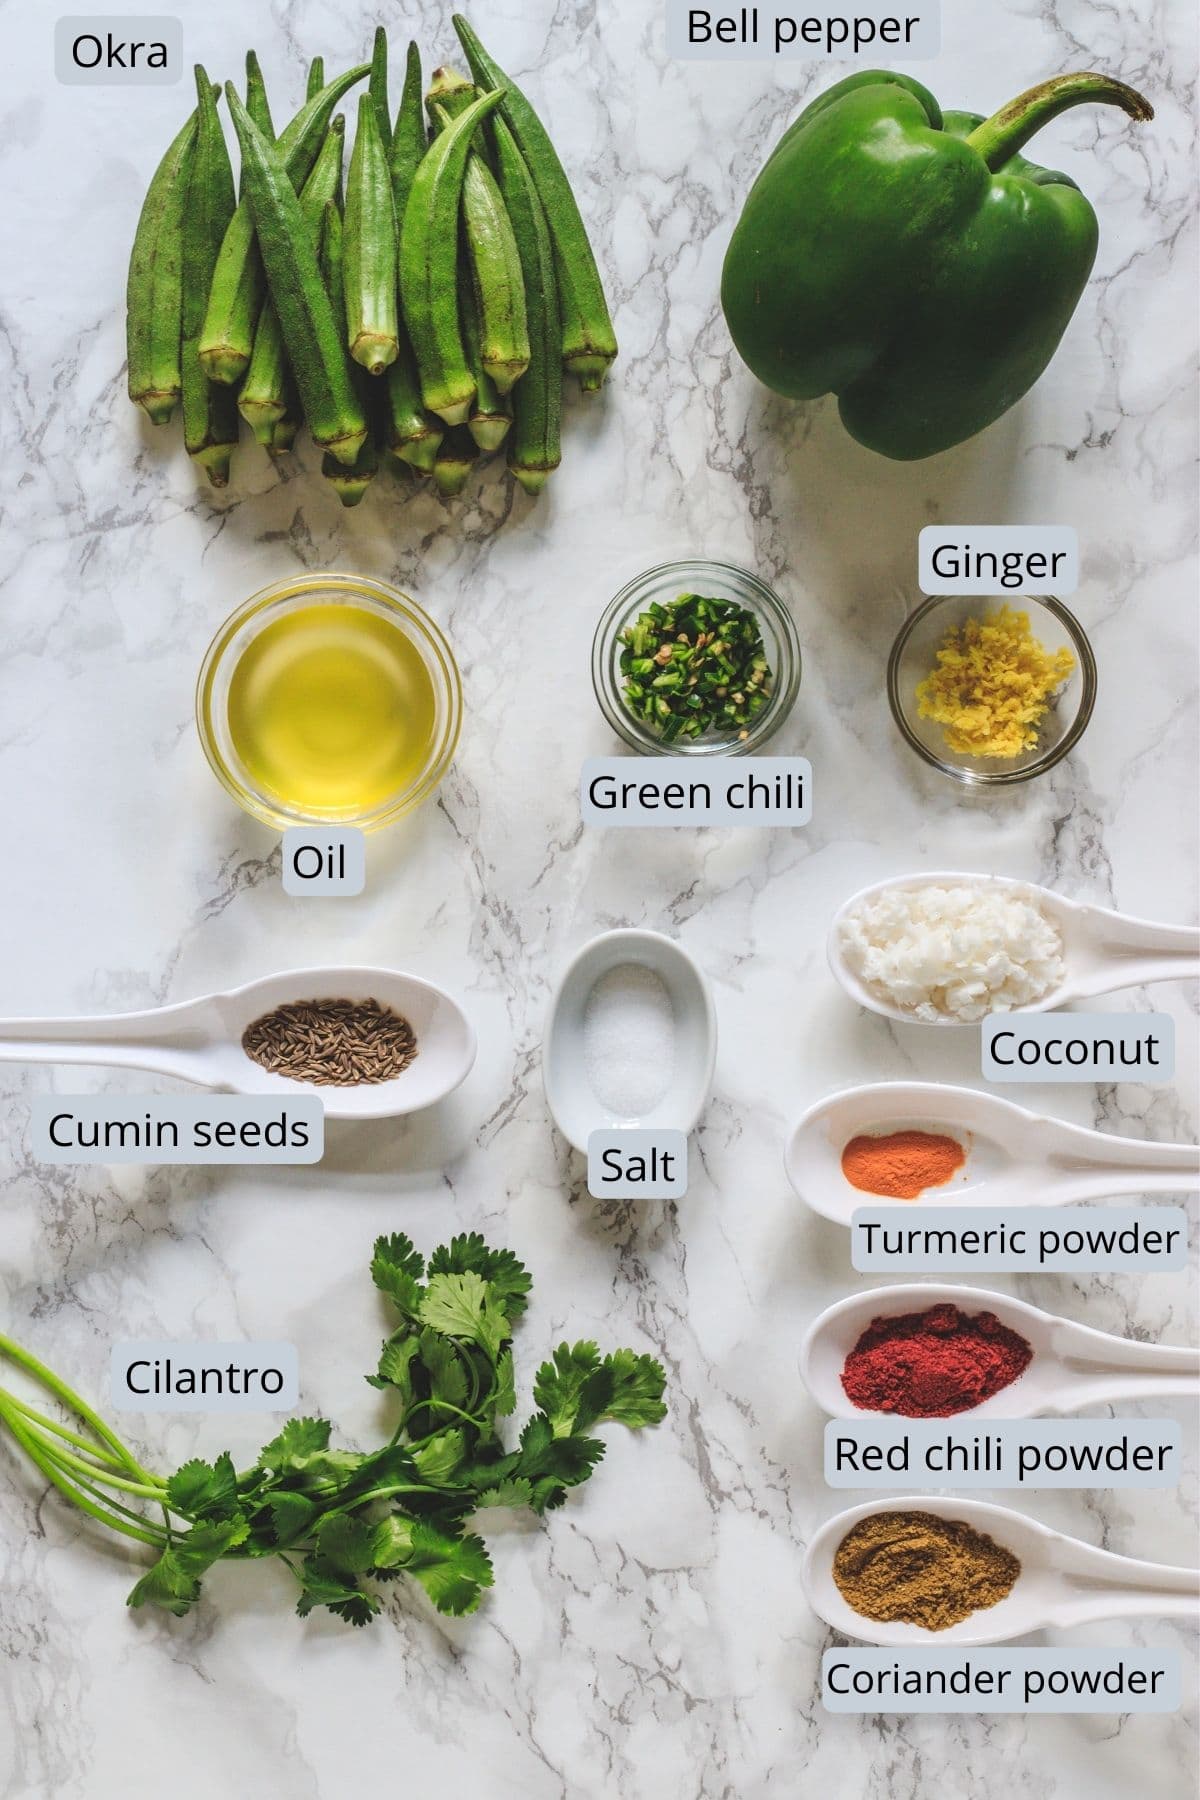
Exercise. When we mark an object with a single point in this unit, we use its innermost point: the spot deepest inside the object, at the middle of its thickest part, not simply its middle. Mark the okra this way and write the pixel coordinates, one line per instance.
(350, 480)
(455, 460)
(413, 435)
(311, 331)
(285, 430)
(316, 78)
(409, 140)
(154, 290)
(589, 343)
(378, 88)
(495, 263)
(239, 283)
(369, 248)
(263, 400)
(534, 444)
(491, 411)
(210, 418)
(257, 104)
(429, 266)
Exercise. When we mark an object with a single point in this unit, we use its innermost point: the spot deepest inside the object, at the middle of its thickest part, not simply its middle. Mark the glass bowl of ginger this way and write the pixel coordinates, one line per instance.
(991, 691)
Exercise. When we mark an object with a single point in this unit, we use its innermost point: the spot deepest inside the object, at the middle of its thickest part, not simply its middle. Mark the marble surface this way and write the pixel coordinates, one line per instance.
(651, 1640)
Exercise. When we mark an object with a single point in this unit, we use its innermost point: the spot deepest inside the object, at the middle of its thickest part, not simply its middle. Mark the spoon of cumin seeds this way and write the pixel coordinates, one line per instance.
(388, 1044)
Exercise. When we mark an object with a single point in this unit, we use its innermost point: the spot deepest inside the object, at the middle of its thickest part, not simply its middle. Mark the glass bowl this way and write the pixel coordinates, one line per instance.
(717, 581)
(245, 625)
(914, 656)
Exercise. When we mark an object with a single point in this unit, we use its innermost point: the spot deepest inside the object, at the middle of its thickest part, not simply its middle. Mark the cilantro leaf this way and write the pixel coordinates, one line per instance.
(201, 1490)
(322, 1585)
(438, 1457)
(463, 1306)
(391, 1543)
(344, 1544)
(292, 1516)
(510, 1492)
(453, 1570)
(468, 1254)
(504, 1398)
(396, 1269)
(638, 1383)
(564, 1388)
(173, 1581)
(395, 1366)
(360, 1609)
(297, 1443)
(443, 1365)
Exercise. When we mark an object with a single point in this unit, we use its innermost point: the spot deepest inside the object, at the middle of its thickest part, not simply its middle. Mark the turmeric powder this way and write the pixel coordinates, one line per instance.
(902, 1164)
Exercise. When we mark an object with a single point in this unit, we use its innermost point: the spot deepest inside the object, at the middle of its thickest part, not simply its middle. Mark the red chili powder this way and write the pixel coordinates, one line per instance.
(931, 1364)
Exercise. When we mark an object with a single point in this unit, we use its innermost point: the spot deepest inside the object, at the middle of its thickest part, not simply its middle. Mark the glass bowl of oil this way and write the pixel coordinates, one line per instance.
(329, 700)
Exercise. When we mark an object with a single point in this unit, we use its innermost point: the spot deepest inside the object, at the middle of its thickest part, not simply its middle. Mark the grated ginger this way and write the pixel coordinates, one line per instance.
(993, 685)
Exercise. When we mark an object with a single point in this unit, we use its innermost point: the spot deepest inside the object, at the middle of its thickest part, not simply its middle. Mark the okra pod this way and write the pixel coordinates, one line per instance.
(491, 411)
(210, 418)
(409, 139)
(352, 480)
(495, 264)
(589, 343)
(312, 333)
(263, 399)
(239, 283)
(413, 435)
(429, 266)
(316, 78)
(369, 248)
(154, 290)
(378, 88)
(457, 457)
(257, 104)
(534, 444)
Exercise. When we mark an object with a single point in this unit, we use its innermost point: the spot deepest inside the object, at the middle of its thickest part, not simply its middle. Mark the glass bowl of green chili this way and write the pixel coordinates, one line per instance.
(696, 658)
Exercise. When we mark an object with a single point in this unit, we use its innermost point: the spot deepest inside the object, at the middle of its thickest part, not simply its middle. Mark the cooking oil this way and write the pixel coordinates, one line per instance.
(331, 711)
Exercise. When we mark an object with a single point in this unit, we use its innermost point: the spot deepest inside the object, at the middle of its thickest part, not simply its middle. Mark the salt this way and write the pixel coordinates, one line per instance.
(629, 1040)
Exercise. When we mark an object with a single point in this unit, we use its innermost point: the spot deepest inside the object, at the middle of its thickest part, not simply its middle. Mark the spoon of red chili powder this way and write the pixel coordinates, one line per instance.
(901, 1164)
(932, 1364)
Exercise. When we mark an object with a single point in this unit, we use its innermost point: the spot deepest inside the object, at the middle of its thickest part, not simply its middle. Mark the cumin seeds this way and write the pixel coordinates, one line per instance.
(332, 1043)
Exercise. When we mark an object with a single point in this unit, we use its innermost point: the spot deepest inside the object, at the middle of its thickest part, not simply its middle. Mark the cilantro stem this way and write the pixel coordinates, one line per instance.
(67, 1459)
(73, 1492)
(44, 1423)
(71, 1400)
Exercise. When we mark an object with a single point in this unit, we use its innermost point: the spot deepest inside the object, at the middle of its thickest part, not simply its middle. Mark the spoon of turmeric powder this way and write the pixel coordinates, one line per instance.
(949, 1146)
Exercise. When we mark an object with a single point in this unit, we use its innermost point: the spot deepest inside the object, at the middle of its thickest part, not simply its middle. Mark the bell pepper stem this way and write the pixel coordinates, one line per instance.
(1010, 129)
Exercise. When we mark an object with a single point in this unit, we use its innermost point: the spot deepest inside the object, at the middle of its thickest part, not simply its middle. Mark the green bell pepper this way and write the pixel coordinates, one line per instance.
(910, 262)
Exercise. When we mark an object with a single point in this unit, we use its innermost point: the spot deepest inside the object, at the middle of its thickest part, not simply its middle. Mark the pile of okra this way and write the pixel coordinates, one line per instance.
(425, 306)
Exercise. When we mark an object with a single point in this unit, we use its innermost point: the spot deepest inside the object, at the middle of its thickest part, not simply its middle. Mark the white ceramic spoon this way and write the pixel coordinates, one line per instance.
(201, 1040)
(1063, 1581)
(1102, 951)
(1073, 1366)
(577, 1110)
(1014, 1157)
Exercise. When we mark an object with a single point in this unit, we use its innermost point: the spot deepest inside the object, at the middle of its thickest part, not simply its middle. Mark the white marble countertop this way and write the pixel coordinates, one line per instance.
(651, 1640)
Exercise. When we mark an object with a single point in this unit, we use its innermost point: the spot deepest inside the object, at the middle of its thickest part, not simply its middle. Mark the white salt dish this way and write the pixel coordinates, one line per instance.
(575, 1107)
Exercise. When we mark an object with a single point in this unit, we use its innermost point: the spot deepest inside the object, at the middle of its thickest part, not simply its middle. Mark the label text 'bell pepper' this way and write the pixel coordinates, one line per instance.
(749, 33)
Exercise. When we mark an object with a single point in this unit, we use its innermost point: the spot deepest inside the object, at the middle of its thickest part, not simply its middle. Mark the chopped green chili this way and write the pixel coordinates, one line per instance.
(696, 665)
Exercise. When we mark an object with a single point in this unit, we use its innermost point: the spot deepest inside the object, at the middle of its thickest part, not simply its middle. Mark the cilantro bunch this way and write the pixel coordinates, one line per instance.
(345, 1521)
